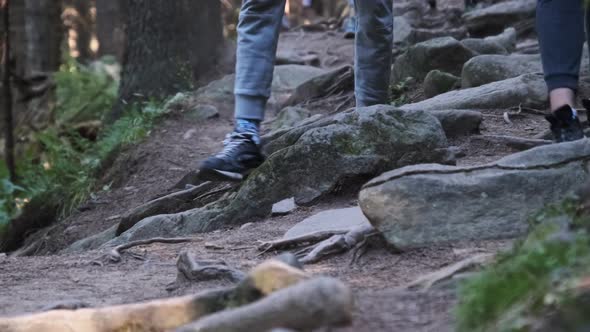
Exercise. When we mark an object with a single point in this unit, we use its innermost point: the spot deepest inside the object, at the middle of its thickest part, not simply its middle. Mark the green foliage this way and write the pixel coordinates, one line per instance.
(68, 164)
(8, 208)
(84, 93)
(521, 282)
(398, 91)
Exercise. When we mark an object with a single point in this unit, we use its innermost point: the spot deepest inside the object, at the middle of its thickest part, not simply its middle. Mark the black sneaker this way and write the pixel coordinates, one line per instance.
(239, 156)
(565, 125)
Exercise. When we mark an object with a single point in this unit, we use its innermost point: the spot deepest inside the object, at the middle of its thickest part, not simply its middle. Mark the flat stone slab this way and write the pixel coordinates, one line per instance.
(330, 220)
(284, 207)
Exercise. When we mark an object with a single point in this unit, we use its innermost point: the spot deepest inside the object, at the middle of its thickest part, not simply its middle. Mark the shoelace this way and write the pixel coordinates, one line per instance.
(232, 142)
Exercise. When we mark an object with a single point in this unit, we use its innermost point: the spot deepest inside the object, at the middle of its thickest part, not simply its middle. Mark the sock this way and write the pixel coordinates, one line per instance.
(249, 126)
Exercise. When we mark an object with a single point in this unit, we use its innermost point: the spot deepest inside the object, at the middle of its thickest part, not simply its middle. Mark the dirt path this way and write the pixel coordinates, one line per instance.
(174, 147)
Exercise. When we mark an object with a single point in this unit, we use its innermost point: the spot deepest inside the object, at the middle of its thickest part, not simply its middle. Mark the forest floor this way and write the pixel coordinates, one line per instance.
(175, 147)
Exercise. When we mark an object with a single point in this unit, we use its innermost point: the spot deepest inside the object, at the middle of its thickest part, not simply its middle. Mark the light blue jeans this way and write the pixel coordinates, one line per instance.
(258, 31)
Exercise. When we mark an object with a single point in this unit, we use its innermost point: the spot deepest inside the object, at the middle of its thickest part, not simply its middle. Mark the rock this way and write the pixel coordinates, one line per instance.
(529, 90)
(446, 54)
(485, 69)
(402, 30)
(204, 111)
(494, 19)
(294, 58)
(329, 220)
(483, 46)
(422, 205)
(330, 83)
(437, 82)
(311, 161)
(285, 79)
(506, 39)
(289, 117)
(284, 207)
(459, 122)
(421, 35)
(92, 242)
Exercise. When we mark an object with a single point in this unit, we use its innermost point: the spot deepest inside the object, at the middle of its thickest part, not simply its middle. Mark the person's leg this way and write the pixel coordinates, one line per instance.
(349, 24)
(258, 31)
(560, 26)
(373, 47)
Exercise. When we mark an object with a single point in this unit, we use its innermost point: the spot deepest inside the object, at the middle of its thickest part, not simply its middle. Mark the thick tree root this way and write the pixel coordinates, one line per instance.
(115, 255)
(517, 143)
(328, 243)
(319, 302)
(192, 270)
(163, 315)
(193, 197)
(448, 272)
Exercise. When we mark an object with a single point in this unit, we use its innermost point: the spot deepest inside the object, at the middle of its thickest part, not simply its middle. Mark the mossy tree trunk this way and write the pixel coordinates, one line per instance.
(170, 45)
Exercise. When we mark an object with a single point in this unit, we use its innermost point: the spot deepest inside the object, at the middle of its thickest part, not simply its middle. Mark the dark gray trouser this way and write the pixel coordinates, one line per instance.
(258, 29)
(560, 26)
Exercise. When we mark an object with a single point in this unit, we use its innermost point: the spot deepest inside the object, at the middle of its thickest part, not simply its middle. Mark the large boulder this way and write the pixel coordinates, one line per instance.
(529, 90)
(428, 204)
(485, 69)
(310, 161)
(446, 54)
(494, 19)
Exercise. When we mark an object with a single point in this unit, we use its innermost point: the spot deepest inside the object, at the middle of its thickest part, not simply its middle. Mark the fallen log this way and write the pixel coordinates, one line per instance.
(160, 315)
(319, 302)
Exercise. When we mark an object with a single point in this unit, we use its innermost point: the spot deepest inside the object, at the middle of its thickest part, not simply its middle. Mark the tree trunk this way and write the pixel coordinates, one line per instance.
(43, 31)
(7, 94)
(110, 27)
(170, 45)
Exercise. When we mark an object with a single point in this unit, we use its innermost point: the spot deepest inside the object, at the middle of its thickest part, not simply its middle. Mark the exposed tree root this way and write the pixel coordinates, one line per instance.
(179, 201)
(517, 143)
(190, 269)
(324, 244)
(319, 302)
(427, 281)
(115, 255)
(170, 314)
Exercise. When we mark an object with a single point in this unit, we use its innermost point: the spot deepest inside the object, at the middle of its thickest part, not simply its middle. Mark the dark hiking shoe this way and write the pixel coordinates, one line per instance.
(239, 156)
(565, 125)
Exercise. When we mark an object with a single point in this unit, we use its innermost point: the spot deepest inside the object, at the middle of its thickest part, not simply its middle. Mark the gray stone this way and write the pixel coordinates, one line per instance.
(329, 220)
(402, 30)
(283, 207)
(529, 90)
(437, 82)
(294, 58)
(459, 122)
(422, 205)
(495, 18)
(289, 117)
(485, 69)
(446, 54)
(421, 34)
(311, 161)
(204, 111)
(507, 39)
(92, 242)
(483, 46)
